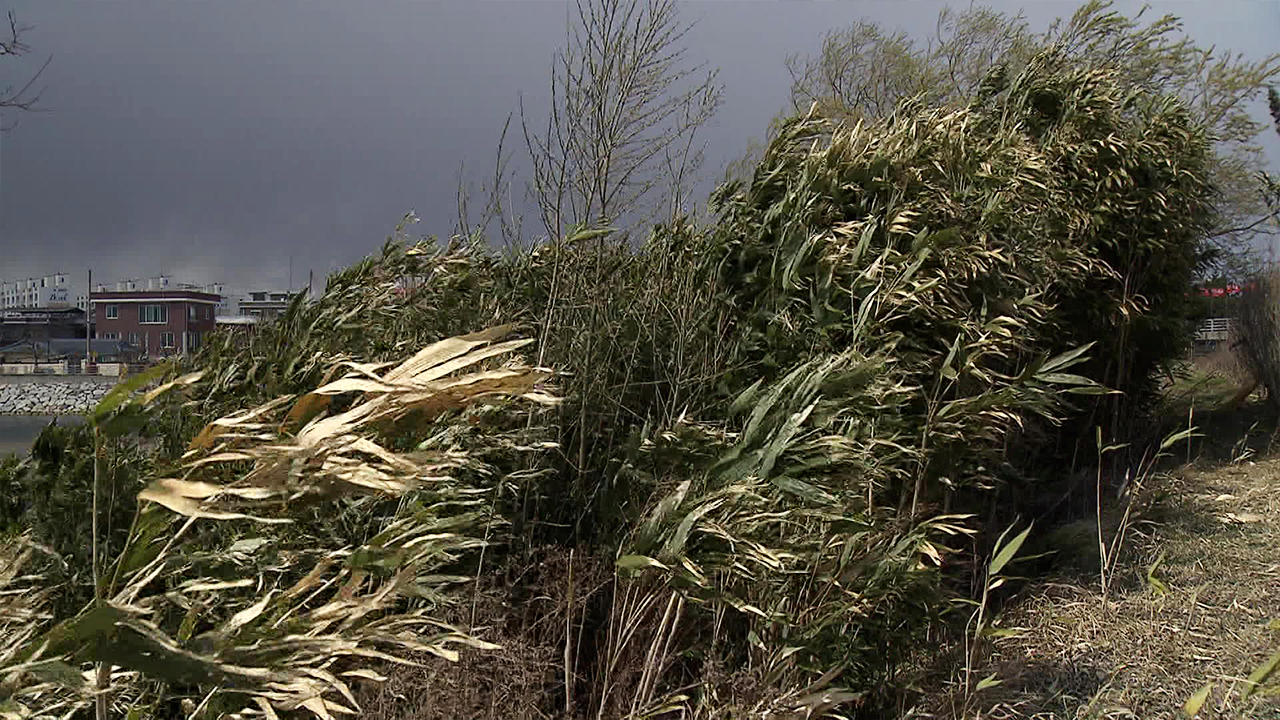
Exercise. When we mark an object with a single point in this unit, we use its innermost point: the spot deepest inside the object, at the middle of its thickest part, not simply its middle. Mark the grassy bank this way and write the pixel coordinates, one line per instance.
(1189, 620)
(768, 466)
(1195, 607)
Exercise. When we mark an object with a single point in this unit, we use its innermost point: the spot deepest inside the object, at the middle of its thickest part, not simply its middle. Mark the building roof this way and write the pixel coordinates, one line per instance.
(153, 295)
(73, 348)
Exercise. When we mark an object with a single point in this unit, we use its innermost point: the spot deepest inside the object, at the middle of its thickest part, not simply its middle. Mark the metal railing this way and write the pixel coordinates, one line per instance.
(1216, 329)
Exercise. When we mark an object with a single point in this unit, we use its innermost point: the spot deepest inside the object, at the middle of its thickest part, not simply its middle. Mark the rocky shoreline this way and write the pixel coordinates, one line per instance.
(70, 397)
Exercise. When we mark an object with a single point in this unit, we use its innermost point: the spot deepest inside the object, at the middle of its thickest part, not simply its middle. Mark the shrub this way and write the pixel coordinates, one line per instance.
(775, 427)
(1057, 212)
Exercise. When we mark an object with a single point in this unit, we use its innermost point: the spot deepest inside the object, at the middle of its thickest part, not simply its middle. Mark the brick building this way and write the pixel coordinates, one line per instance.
(162, 322)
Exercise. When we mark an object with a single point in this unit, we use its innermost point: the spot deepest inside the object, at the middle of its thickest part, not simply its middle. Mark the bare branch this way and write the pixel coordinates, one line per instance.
(462, 197)
(496, 192)
(625, 109)
(25, 97)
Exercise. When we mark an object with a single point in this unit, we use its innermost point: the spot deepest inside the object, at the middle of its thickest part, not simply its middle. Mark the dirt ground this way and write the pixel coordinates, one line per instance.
(1194, 607)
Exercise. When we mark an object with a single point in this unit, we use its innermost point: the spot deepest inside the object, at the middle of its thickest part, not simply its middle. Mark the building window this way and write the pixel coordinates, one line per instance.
(109, 336)
(166, 340)
(113, 312)
(134, 339)
(191, 312)
(154, 314)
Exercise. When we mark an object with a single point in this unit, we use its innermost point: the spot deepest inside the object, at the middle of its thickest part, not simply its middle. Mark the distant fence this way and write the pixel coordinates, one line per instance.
(72, 367)
(55, 368)
(1216, 330)
(114, 369)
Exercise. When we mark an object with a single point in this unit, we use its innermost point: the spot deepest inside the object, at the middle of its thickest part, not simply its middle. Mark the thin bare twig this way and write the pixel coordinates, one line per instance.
(24, 97)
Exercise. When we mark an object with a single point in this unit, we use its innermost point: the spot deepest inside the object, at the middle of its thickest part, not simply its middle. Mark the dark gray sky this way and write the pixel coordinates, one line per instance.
(213, 140)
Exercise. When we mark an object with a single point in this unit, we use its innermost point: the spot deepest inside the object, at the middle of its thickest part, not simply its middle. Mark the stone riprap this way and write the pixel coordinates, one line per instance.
(69, 397)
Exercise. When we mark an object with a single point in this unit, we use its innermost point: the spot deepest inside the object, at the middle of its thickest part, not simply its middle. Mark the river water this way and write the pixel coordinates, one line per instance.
(17, 432)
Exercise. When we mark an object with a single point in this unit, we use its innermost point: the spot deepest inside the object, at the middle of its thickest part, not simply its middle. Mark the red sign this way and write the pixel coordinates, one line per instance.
(1230, 290)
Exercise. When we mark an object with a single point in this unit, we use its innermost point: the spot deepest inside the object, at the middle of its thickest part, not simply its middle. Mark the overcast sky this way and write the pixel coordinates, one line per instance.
(215, 140)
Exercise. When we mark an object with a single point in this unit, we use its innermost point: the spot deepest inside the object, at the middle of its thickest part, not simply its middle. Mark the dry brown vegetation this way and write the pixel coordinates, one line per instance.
(1226, 364)
(1198, 603)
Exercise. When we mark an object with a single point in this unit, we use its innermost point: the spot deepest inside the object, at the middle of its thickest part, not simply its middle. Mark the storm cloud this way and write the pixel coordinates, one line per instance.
(229, 141)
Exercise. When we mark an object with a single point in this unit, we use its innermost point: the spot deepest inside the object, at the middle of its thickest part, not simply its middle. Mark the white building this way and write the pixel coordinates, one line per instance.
(230, 305)
(260, 304)
(50, 291)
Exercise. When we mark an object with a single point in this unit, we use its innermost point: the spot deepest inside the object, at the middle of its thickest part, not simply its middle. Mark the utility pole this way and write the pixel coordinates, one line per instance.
(88, 331)
(1, 164)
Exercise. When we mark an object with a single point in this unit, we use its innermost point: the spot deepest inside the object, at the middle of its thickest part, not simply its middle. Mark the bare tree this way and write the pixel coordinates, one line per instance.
(26, 96)
(864, 70)
(625, 109)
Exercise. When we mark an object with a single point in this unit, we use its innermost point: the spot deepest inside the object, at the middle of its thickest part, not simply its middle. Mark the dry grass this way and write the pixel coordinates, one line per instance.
(1225, 362)
(513, 683)
(1217, 394)
(520, 607)
(1210, 538)
(1211, 381)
